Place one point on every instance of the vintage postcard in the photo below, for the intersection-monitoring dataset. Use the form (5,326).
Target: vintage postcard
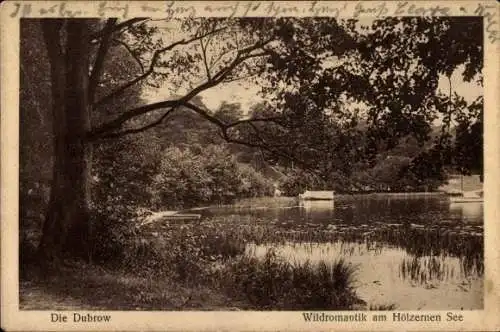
(250,165)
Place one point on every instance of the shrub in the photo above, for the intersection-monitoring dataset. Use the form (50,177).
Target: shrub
(273,283)
(113,231)
(122,176)
(189,177)
(253,183)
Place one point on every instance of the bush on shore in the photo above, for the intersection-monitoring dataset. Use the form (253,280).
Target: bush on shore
(187,178)
(273,283)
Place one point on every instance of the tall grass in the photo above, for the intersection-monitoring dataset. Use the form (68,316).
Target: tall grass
(189,246)
(274,283)
(212,252)
(428,268)
(462,241)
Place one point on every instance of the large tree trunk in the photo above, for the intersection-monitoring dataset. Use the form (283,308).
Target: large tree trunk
(66,228)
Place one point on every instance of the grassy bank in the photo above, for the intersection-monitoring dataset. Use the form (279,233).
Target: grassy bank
(244,283)
(91,287)
(205,266)
(191,266)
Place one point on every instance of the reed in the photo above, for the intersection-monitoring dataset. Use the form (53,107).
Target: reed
(223,238)
(274,283)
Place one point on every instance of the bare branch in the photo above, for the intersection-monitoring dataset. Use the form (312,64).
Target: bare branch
(154,60)
(257,134)
(204,56)
(236,39)
(117,123)
(241,56)
(139,129)
(120,90)
(214,61)
(227,137)
(101,55)
(267,148)
(217,79)
(203,113)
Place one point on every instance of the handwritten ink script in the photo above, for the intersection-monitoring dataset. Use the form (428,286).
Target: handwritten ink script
(172,9)
(381,9)
(490,20)
(106,9)
(61,10)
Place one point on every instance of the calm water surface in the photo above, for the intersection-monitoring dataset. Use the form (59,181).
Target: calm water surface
(359,209)
(415,251)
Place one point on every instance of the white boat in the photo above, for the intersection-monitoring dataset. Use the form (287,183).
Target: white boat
(169,216)
(317,195)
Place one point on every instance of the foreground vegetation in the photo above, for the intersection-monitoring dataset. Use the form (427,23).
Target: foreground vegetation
(243,283)
(205,260)
(206,266)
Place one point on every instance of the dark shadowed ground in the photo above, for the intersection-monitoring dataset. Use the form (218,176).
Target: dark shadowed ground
(89,287)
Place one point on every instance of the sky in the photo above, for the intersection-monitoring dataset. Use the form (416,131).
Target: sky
(469,90)
(245,94)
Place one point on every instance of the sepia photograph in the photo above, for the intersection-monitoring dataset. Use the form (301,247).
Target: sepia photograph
(251,164)
(324,165)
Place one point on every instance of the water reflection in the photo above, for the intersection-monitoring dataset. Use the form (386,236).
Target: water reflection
(390,264)
(358,209)
(472,211)
(417,251)
(391,275)
(317,210)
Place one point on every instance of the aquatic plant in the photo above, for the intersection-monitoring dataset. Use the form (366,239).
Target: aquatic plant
(221,238)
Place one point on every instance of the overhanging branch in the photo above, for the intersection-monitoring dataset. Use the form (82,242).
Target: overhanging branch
(115,124)
(137,130)
(154,61)
(241,56)
(224,127)
(204,56)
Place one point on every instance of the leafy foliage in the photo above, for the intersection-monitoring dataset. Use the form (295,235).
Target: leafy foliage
(361,100)
(188,177)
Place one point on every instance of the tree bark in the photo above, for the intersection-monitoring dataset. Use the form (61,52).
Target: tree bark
(66,228)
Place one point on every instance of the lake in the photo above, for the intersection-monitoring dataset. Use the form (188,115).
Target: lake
(416,251)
